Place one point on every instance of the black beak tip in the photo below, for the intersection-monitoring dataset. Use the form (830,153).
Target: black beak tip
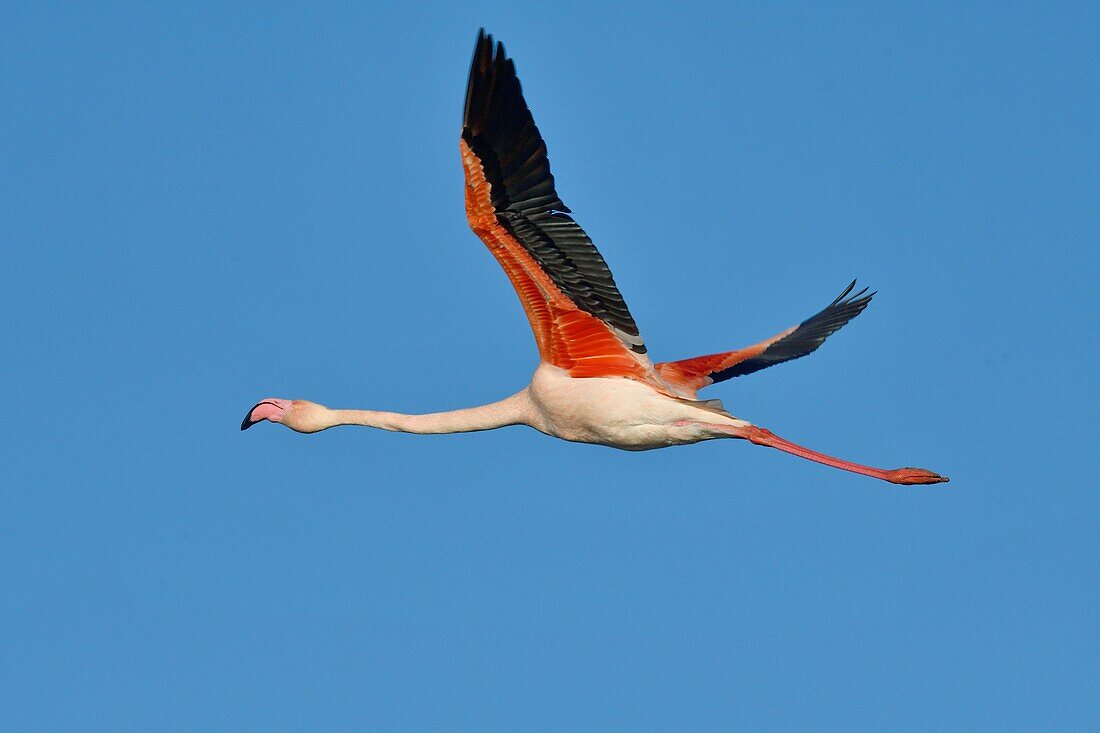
(248,421)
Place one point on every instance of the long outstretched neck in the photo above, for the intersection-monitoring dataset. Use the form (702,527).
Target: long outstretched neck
(763,436)
(510,411)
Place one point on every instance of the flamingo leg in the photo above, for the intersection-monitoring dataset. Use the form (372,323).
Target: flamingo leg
(765,437)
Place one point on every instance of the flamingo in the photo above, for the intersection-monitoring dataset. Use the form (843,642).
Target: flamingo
(595,382)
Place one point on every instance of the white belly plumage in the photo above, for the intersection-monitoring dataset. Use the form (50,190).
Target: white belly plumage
(617,412)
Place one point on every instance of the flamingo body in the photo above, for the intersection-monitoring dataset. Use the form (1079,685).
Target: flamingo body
(595,382)
(616,412)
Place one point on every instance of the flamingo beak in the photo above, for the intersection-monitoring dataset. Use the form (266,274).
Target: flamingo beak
(266,410)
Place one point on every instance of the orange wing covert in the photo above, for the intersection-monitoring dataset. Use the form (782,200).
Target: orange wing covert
(567,337)
(579,318)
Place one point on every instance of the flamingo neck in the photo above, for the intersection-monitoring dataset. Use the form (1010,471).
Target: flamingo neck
(513,410)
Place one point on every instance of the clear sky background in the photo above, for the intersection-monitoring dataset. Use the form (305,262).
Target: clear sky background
(201,206)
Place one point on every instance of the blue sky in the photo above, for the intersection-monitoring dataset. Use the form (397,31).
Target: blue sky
(201,206)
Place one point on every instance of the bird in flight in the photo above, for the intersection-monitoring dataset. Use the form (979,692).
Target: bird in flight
(595,382)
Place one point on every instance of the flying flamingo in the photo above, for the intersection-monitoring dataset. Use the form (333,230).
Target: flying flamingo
(595,383)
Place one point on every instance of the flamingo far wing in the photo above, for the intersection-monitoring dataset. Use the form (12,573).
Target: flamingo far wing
(806,337)
(580,320)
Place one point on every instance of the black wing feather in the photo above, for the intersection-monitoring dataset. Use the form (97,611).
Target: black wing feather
(809,335)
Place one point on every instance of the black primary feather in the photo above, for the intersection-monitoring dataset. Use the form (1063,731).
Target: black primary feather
(809,335)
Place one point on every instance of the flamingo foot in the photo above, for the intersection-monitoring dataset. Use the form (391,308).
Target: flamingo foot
(909,476)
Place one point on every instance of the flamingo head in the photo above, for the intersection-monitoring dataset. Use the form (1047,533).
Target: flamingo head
(299,415)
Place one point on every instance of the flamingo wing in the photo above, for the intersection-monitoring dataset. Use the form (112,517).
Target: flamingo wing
(580,320)
(806,337)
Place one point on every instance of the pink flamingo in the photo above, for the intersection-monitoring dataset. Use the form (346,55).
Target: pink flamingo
(595,383)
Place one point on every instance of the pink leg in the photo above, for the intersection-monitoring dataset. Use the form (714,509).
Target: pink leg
(763,436)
